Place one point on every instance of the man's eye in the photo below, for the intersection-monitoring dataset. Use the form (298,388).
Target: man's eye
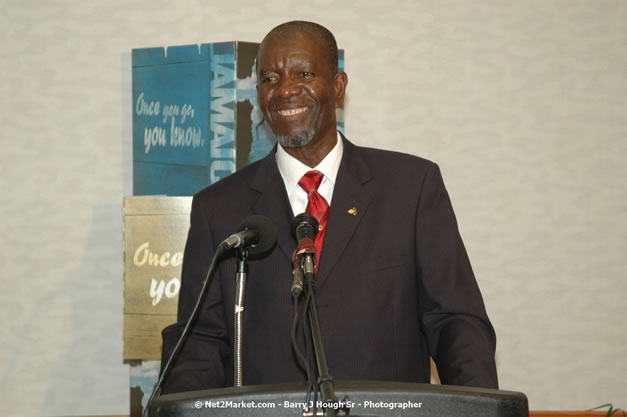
(306,74)
(268,79)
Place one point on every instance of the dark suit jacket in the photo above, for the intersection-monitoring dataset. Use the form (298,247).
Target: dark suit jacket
(394,284)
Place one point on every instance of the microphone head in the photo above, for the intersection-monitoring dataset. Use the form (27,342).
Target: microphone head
(304,225)
(263,228)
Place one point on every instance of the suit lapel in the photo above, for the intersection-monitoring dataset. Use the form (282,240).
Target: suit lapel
(351,196)
(273,202)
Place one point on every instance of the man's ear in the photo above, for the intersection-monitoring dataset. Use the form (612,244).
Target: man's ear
(340,82)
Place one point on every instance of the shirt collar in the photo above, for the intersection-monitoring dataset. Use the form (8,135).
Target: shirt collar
(292,169)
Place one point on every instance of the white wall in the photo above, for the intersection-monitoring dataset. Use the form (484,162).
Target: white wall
(522,103)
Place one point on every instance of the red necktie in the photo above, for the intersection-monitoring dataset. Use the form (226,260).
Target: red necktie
(317,206)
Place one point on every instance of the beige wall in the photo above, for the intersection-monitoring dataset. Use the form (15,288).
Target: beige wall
(522,103)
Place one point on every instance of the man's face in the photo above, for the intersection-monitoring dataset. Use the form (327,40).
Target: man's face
(298,92)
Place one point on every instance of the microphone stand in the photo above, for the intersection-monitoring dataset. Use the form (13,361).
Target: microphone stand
(238,332)
(325,381)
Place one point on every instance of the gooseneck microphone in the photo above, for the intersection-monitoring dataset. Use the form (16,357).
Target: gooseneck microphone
(304,227)
(257,233)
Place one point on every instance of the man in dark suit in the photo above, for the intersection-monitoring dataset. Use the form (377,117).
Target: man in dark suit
(394,283)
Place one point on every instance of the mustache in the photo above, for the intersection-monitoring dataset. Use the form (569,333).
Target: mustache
(288,104)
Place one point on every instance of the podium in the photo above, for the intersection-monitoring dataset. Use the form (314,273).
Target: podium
(364,398)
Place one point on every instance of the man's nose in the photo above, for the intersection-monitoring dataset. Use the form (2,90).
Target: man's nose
(288,87)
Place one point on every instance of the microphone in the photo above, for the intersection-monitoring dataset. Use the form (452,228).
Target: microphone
(304,228)
(255,232)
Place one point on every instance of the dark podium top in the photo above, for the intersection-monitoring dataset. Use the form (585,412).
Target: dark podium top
(364,398)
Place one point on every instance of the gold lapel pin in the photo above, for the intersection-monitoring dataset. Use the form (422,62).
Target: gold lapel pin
(352,211)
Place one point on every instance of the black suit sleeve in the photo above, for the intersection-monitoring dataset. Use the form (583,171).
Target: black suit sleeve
(460,337)
(200,363)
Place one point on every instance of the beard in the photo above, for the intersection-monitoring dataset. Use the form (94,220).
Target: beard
(297,139)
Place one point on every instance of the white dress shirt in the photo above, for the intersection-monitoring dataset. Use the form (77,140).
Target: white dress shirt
(292,170)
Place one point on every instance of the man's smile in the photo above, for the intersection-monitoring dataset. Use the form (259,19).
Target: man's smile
(292,112)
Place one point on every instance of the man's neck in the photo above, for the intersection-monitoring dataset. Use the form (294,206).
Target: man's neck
(292,170)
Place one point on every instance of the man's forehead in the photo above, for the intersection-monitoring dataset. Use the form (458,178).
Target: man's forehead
(294,37)
(293,32)
(295,47)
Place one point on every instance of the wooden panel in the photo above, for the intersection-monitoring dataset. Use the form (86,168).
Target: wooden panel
(141,206)
(155,230)
(142,335)
(153,256)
